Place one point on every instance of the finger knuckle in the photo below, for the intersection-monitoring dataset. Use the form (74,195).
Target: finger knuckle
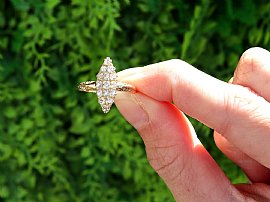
(176,63)
(240,102)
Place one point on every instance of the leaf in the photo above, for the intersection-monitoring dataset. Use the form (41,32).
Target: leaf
(4,192)
(50,4)
(22,5)
(5,151)
(85,152)
(20,157)
(27,124)
(10,112)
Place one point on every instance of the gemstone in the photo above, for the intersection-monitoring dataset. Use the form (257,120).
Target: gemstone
(100,76)
(110,101)
(105,109)
(103,68)
(106,77)
(113,84)
(113,76)
(106,93)
(106,84)
(107,61)
(98,84)
(99,93)
(111,69)
(101,101)
(112,92)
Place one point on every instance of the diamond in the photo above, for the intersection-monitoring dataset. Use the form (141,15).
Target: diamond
(112,92)
(106,93)
(100,76)
(106,76)
(110,101)
(106,84)
(113,76)
(103,68)
(98,84)
(111,69)
(99,92)
(113,85)
(107,61)
(101,101)
(105,109)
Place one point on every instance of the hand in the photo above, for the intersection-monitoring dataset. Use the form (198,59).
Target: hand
(239,112)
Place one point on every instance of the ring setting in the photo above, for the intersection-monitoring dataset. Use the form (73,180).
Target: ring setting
(106,86)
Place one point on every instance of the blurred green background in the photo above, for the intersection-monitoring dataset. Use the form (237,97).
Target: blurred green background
(56,145)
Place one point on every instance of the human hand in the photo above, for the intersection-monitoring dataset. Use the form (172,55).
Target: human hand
(239,112)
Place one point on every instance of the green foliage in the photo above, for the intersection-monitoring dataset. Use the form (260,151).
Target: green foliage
(55,143)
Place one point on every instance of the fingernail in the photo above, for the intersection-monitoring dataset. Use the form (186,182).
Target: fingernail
(131,108)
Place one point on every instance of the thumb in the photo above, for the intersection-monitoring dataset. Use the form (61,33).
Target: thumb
(174,151)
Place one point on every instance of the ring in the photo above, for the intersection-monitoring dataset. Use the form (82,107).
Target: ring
(106,86)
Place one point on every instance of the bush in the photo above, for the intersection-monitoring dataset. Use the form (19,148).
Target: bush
(55,143)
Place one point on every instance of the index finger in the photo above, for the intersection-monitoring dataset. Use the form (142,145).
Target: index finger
(229,109)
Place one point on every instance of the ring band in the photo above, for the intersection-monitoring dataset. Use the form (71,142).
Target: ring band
(90,87)
(106,86)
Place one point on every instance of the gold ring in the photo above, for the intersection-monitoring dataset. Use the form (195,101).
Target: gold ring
(106,86)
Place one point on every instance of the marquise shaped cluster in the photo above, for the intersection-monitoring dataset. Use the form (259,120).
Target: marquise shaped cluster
(106,85)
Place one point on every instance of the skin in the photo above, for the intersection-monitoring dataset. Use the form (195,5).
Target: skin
(238,111)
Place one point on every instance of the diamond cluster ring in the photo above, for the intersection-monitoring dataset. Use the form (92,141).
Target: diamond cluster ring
(106,86)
